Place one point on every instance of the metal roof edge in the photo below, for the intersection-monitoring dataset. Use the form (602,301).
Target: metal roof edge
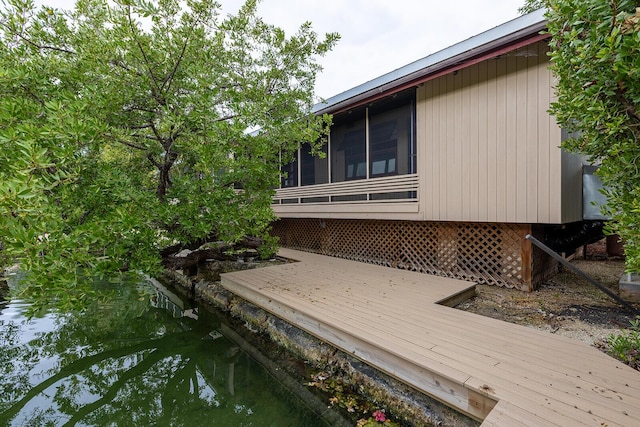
(519,27)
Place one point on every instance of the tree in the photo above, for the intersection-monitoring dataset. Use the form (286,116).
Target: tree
(595,56)
(531,6)
(125,129)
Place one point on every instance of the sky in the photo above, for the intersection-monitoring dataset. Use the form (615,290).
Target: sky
(377,36)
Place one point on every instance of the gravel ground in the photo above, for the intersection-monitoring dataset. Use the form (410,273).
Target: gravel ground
(566,305)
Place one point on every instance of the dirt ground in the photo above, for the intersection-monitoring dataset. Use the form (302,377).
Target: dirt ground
(566,305)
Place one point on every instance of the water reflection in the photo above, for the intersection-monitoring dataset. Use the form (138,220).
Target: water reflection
(139,355)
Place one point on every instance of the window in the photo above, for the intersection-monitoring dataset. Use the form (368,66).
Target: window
(355,154)
(348,147)
(313,170)
(391,136)
(370,141)
(289,174)
(384,148)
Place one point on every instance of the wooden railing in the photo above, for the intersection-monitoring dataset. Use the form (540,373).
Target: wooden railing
(397,188)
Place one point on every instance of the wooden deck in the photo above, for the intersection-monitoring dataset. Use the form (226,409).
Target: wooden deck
(496,372)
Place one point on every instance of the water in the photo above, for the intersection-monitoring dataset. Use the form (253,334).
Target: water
(138,356)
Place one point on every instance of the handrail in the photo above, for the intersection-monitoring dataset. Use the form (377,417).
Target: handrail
(576,270)
(348,188)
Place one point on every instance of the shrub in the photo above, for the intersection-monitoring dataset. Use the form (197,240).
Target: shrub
(626,345)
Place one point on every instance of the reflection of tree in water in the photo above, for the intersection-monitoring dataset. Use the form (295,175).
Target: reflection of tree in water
(122,361)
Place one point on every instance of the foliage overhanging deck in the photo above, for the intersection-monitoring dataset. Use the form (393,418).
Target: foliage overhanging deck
(395,320)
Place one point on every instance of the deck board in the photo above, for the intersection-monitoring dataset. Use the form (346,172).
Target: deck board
(494,371)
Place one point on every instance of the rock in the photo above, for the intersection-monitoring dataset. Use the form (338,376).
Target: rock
(213,245)
(183,253)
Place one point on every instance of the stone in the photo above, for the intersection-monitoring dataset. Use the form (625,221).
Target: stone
(629,287)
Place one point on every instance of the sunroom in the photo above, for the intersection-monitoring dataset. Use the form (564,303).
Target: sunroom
(369,160)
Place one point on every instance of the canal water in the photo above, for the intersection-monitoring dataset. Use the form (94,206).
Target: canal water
(140,355)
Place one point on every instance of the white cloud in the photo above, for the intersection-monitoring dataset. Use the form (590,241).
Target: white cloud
(378,36)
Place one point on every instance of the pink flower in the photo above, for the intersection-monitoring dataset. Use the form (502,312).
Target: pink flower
(379,416)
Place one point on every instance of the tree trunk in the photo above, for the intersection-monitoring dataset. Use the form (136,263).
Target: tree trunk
(164,175)
(216,251)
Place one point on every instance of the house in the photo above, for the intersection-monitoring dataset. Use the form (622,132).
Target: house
(443,166)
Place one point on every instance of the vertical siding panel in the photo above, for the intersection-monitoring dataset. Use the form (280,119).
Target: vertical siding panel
(443,145)
(434,149)
(511,140)
(423,110)
(492,140)
(544,137)
(532,138)
(483,183)
(556,164)
(455,172)
(473,153)
(445,102)
(521,140)
(502,141)
(439,146)
(452,174)
(438,141)
(466,142)
(488,147)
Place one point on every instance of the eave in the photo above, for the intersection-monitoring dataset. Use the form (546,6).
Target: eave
(512,35)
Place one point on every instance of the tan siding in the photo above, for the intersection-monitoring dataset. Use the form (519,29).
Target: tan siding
(500,189)
(430,197)
(532,137)
(545,127)
(521,161)
(511,164)
(471,142)
(455,203)
(483,139)
(435,152)
(492,159)
(491,148)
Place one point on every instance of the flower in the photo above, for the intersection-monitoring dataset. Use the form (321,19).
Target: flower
(379,416)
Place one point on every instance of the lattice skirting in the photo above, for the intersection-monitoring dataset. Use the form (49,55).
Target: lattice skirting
(489,253)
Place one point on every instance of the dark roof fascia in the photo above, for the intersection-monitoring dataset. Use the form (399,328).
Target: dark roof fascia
(499,39)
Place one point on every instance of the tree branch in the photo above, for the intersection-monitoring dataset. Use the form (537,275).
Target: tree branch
(169,78)
(159,137)
(155,89)
(150,138)
(127,143)
(630,108)
(229,117)
(33,95)
(216,251)
(140,127)
(36,45)
(144,110)
(122,65)
(153,162)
